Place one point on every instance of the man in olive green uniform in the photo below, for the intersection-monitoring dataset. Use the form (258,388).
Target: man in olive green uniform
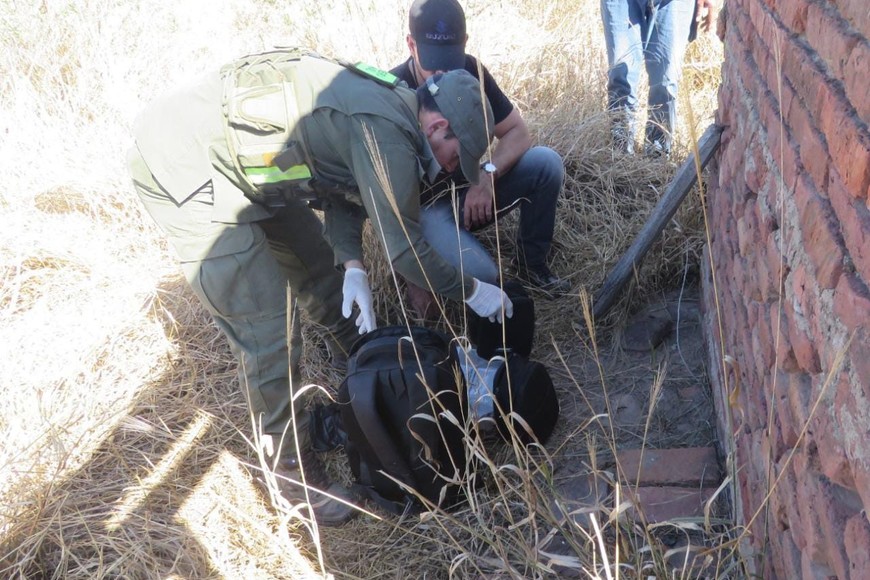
(227,166)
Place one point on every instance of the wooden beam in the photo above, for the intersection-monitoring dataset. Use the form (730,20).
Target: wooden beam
(678,188)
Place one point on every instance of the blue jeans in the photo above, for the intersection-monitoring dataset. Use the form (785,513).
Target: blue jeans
(654,34)
(533,184)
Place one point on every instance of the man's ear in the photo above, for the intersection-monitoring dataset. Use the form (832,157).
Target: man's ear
(412,45)
(436,123)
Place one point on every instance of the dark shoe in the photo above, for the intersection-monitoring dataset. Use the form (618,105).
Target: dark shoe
(331,502)
(543,279)
(656,150)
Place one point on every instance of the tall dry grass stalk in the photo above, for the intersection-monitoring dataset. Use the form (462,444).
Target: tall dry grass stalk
(124,427)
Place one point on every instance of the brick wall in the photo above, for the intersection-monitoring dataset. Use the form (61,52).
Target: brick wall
(786,293)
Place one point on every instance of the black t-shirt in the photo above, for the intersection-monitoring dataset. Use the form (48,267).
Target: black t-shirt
(501,105)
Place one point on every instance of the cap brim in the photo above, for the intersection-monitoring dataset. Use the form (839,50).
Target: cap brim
(470,165)
(441,57)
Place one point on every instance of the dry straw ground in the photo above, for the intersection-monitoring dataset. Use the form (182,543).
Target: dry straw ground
(124,432)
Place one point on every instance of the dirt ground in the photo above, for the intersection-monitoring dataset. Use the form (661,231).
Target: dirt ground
(659,351)
(650,376)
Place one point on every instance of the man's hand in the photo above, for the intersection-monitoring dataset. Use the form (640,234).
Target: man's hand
(356,289)
(489,301)
(706,13)
(478,210)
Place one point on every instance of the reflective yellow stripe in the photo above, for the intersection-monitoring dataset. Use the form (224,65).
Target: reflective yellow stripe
(264,175)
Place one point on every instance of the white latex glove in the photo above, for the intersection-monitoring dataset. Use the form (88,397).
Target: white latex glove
(356,289)
(487,300)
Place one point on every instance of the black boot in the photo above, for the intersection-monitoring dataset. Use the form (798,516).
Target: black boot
(329,500)
(542,278)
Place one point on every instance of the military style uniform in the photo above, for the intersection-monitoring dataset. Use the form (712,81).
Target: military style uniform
(199,165)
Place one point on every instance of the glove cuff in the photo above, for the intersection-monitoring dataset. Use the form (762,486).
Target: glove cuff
(475,292)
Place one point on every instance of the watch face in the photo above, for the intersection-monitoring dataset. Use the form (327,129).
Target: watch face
(488,167)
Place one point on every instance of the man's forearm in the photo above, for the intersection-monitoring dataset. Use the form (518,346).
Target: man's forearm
(510,147)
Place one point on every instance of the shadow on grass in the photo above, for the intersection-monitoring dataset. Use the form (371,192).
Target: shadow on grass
(166,493)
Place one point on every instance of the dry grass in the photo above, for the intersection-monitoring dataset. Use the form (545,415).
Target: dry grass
(124,428)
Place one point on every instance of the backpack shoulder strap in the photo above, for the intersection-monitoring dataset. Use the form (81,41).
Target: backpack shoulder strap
(361,390)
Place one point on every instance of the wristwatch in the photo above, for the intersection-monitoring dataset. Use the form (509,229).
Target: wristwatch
(489,167)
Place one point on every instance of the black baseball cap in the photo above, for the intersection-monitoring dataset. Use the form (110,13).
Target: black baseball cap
(438,28)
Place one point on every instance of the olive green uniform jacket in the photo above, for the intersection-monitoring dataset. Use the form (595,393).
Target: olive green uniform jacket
(358,133)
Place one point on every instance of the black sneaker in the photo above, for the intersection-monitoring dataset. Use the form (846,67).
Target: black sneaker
(542,278)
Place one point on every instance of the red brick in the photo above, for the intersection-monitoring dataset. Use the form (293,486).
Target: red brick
(857,541)
(862,480)
(801,71)
(782,149)
(789,481)
(758,17)
(854,222)
(807,498)
(859,359)
(785,354)
(836,505)
(814,155)
(766,278)
(855,80)
(756,402)
(660,504)
(799,389)
(745,238)
(828,34)
(771,192)
(691,466)
(852,303)
(833,460)
(856,13)
(776,268)
(801,340)
(819,234)
(788,557)
(777,437)
(793,15)
(813,148)
(848,143)
(815,569)
(789,427)
(762,329)
(751,489)
(741,26)
(754,166)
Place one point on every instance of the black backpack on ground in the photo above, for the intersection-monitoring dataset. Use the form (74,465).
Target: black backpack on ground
(400,425)
(519,330)
(521,386)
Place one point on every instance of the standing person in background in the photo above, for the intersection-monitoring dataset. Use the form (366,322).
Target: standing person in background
(227,166)
(521,175)
(653,34)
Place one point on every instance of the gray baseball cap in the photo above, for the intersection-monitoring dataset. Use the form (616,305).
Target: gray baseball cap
(458,95)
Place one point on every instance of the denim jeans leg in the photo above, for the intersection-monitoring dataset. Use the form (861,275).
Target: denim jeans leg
(669,38)
(623,22)
(454,243)
(534,183)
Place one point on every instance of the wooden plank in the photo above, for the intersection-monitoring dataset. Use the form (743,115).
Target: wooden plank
(680,186)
